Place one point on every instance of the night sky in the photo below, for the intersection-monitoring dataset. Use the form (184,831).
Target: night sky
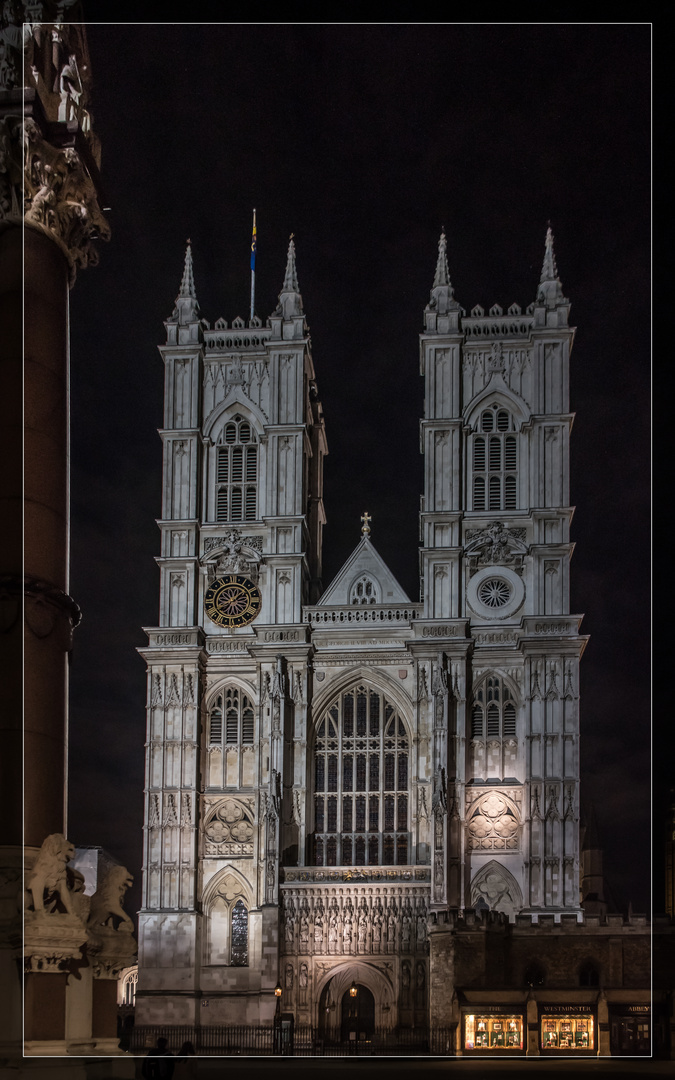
(364,141)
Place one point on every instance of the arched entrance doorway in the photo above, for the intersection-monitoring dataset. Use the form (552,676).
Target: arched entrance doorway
(358,1015)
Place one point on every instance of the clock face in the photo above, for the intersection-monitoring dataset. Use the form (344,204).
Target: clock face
(232,601)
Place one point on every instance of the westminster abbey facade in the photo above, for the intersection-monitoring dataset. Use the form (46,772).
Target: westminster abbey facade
(329,771)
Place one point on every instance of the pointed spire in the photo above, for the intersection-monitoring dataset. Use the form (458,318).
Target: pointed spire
(550,287)
(442,276)
(290,300)
(187,285)
(291,277)
(186,309)
(441,302)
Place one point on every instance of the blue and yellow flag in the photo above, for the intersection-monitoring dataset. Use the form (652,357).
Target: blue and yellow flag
(253,243)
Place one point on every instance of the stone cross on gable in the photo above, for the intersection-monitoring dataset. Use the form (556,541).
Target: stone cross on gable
(366,519)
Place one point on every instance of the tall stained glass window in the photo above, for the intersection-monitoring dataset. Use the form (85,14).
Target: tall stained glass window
(361,776)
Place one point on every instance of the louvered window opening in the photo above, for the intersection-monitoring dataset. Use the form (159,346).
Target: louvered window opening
(239,719)
(495,462)
(361,782)
(494,710)
(237,473)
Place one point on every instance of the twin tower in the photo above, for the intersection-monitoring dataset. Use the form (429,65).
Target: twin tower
(327,768)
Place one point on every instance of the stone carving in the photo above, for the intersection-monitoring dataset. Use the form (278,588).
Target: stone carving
(405,983)
(237,556)
(229,830)
(47,882)
(421,924)
(318,926)
(392,923)
(347,926)
(106,903)
(60,198)
(153,811)
(552,693)
(303,976)
(289,976)
(535,677)
(170,817)
(304,924)
(156,691)
(173,697)
(493,890)
(422,690)
(493,821)
(378,919)
(406,926)
(422,808)
(297,689)
(495,545)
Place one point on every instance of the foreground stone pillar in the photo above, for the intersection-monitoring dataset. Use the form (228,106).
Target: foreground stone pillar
(50,219)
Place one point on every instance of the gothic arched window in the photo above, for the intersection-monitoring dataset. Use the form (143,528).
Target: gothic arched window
(239,935)
(494,710)
(239,719)
(364,591)
(361,780)
(226,925)
(237,472)
(495,461)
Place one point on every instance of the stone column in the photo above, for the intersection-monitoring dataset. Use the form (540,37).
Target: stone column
(50,218)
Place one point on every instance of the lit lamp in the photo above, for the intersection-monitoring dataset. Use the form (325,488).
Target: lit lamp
(277,993)
(353,990)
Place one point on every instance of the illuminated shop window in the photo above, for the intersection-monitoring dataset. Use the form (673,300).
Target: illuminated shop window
(491,1032)
(567,1033)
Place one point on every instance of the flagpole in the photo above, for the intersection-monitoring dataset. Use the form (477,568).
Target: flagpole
(253,252)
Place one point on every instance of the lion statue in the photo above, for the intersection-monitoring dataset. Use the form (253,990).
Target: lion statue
(48,880)
(106,903)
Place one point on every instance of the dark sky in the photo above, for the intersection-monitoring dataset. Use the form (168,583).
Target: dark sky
(364,141)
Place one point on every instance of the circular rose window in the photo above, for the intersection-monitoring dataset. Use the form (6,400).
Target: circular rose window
(494,593)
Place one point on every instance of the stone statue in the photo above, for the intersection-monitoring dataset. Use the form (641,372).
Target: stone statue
(106,903)
(406,927)
(304,923)
(377,925)
(347,926)
(391,923)
(48,881)
(303,976)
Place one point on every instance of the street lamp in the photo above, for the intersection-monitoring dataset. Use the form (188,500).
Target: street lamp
(277,1018)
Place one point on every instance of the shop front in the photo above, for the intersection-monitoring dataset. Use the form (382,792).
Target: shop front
(569,1029)
(497,1028)
(630,1029)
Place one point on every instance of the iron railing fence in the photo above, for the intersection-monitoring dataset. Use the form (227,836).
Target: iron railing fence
(256,1041)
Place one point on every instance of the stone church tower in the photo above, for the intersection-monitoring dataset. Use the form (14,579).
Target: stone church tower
(325,769)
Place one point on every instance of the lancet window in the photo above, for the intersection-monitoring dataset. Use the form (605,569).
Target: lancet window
(226,937)
(495,461)
(237,472)
(361,783)
(231,716)
(364,591)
